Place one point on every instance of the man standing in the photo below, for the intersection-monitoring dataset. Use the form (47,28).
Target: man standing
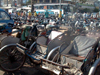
(46,14)
(35,14)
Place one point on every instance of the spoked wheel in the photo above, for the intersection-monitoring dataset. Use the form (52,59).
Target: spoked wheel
(11,59)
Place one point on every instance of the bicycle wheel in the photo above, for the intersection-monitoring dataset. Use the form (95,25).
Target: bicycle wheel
(11,59)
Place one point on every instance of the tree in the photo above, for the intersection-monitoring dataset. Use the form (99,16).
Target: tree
(74,0)
(83,1)
(29,2)
(96,10)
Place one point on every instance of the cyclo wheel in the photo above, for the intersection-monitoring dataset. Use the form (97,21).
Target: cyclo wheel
(11,59)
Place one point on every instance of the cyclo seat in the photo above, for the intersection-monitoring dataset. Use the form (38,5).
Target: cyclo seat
(78,51)
(80,47)
(42,40)
(46,45)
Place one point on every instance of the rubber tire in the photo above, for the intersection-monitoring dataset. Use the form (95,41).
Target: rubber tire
(11,64)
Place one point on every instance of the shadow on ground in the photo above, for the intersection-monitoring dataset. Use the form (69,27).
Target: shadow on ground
(27,69)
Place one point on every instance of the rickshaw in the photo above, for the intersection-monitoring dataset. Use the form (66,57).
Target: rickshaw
(81,57)
(61,56)
(12,56)
(4,38)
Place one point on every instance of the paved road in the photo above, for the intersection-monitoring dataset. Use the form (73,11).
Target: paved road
(25,70)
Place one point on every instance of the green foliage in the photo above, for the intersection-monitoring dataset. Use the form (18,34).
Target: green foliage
(83,1)
(85,10)
(96,10)
(85,4)
(28,3)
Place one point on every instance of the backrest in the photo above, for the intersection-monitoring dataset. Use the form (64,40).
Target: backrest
(82,48)
(82,45)
(44,41)
(54,34)
(58,41)
(41,40)
(9,40)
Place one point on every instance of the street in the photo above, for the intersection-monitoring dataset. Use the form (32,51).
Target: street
(25,70)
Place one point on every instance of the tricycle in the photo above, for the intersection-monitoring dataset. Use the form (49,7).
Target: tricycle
(12,56)
(59,54)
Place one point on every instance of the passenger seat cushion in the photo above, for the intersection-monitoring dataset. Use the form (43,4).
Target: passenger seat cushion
(82,45)
(54,34)
(41,40)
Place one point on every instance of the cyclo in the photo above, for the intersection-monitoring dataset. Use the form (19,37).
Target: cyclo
(12,56)
(60,56)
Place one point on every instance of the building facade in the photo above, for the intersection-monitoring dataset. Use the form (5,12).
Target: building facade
(90,2)
(64,1)
(10,2)
(47,1)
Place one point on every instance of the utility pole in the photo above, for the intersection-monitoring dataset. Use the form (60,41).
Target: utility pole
(7,3)
(60,12)
(21,3)
(32,6)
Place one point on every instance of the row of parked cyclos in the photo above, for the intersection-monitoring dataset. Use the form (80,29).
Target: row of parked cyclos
(86,24)
(76,51)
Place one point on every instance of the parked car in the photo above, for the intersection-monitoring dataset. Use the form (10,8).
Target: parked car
(5,27)
(6,22)
(5,18)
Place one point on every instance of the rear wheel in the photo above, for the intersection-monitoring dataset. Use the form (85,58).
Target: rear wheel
(11,59)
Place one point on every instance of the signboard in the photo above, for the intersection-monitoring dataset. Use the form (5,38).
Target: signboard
(45,7)
(15,3)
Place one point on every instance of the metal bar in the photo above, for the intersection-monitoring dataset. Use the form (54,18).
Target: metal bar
(45,60)
(60,9)
(7,2)
(59,4)
(21,2)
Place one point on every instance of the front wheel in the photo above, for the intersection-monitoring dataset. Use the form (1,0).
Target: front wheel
(11,59)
